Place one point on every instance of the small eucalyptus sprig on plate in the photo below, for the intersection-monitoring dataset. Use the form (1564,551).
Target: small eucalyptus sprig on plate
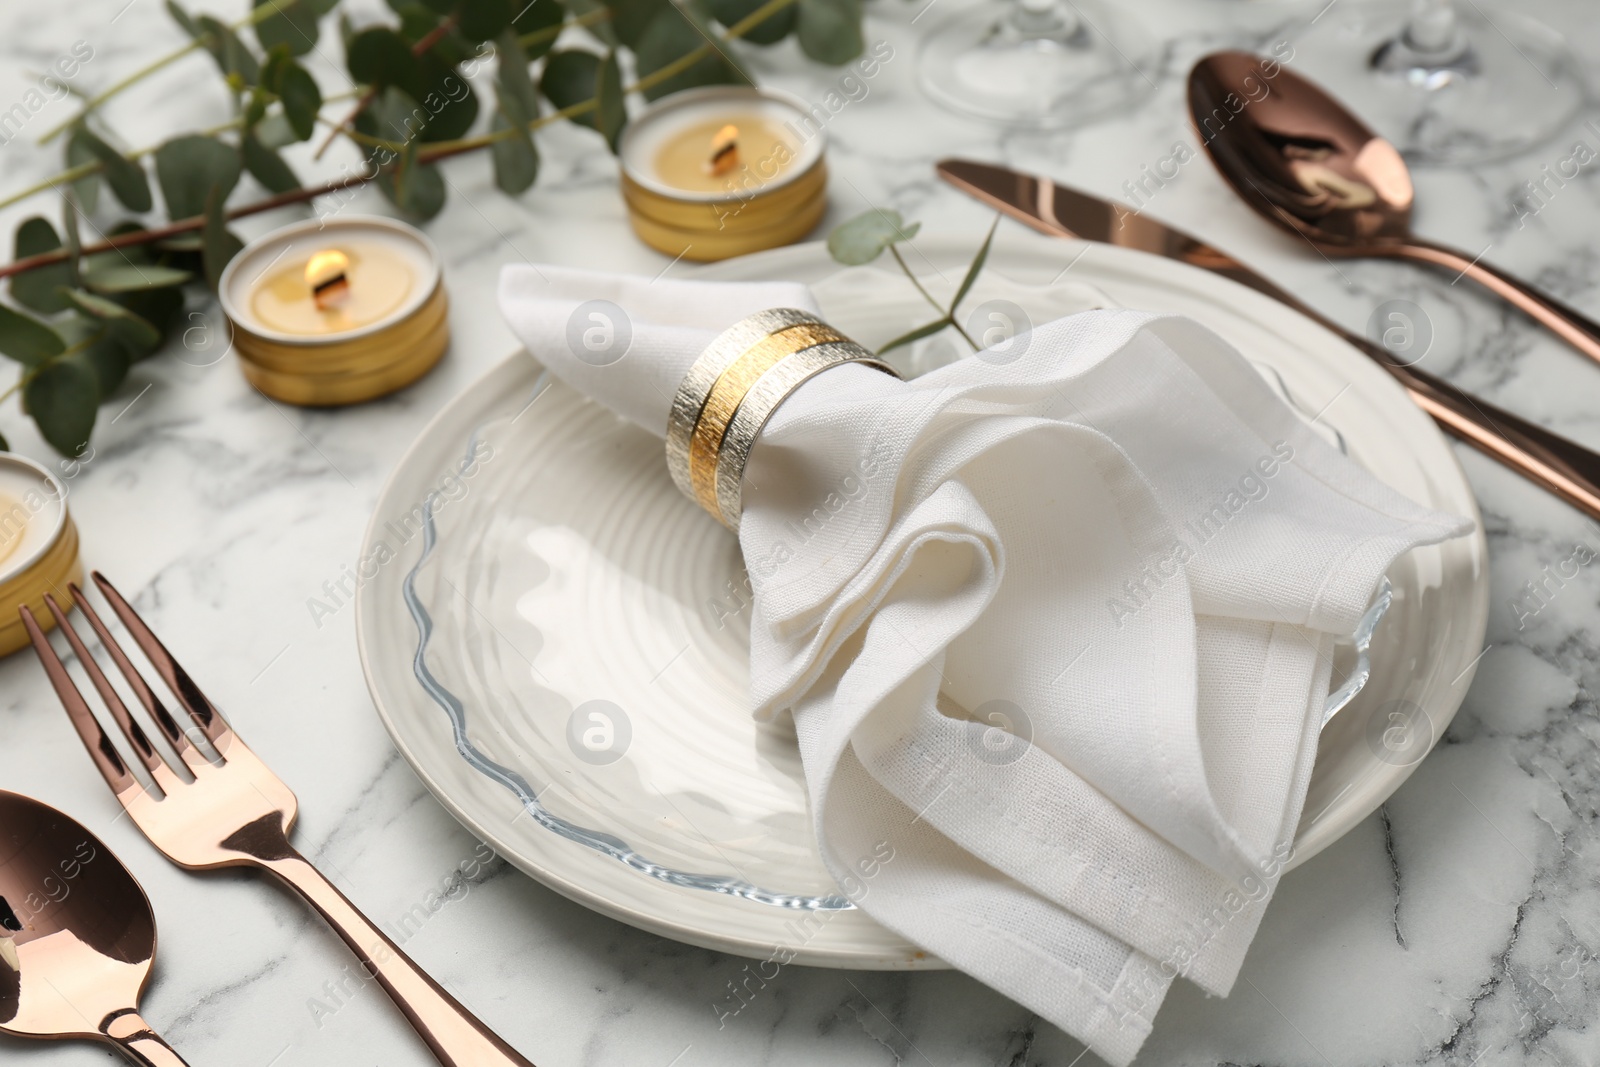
(84,312)
(867,236)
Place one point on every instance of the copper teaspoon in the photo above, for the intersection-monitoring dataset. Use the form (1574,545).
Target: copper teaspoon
(1296,156)
(77,937)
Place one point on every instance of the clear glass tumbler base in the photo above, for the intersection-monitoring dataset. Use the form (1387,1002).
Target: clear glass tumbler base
(1036,63)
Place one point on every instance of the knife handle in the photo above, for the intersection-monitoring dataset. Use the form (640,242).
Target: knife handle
(1564,467)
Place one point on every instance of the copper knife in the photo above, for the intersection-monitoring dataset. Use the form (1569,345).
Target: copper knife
(1564,467)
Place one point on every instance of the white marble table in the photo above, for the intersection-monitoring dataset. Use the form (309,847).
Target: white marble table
(1461,924)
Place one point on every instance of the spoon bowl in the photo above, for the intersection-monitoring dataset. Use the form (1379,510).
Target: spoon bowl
(77,935)
(1282,139)
(1299,158)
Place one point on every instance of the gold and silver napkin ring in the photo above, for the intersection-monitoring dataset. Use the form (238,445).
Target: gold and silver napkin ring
(734,387)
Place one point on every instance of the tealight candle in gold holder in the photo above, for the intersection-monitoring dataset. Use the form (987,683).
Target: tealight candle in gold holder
(38,547)
(721,171)
(336,312)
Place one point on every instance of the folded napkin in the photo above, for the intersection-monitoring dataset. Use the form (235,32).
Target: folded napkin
(1054,623)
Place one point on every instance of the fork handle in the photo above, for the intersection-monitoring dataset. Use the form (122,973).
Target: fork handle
(456,1036)
(132,1036)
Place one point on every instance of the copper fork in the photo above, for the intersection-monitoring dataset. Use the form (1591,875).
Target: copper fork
(234,812)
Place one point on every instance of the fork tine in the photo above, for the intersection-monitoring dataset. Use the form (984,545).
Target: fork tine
(141,688)
(205,714)
(142,747)
(106,758)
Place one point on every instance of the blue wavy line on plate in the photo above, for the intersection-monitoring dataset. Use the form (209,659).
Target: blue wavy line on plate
(601,842)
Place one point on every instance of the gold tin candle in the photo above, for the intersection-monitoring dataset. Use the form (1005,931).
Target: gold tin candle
(38,547)
(721,171)
(336,312)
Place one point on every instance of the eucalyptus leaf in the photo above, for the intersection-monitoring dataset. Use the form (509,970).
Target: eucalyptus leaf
(293,24)
(234,58)
(416,189)
(159,307)
(70,235)
(516,160)
(183,19)
(573,77)
(381,57)
(190,169)
(5,446)
(418,23)
(63,397)
(110,359)
(266,166)
(631,18)
(272,67)
(446,97)
(132,277)
(302,99)
(482,20)
(538,17)
(26,339)
(137,255)
(770,30)
(830,30)
(126,178)
(87,188)
(863,238)
(217,243)
(181,242)
(255,107)
(975,268)
(40,288)
(125,326)
(669,37)
(519,100)
(926,330)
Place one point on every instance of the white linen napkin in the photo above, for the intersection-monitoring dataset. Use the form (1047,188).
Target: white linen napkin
(1054,624)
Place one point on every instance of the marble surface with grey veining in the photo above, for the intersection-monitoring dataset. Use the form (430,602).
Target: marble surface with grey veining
(1458,925)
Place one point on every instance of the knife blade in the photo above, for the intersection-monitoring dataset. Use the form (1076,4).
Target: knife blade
(1565,468)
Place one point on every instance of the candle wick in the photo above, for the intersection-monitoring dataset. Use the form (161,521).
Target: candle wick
(327,273)
(724,151)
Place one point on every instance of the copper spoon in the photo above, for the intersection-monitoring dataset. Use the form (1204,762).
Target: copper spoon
(1296,156)
(77,936)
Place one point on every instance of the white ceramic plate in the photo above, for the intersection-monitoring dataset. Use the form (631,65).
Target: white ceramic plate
(558,643)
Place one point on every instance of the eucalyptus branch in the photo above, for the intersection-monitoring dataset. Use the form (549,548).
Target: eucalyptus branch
(432,153)
(256,15)
(423,44)
(83,170)
(192,225)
